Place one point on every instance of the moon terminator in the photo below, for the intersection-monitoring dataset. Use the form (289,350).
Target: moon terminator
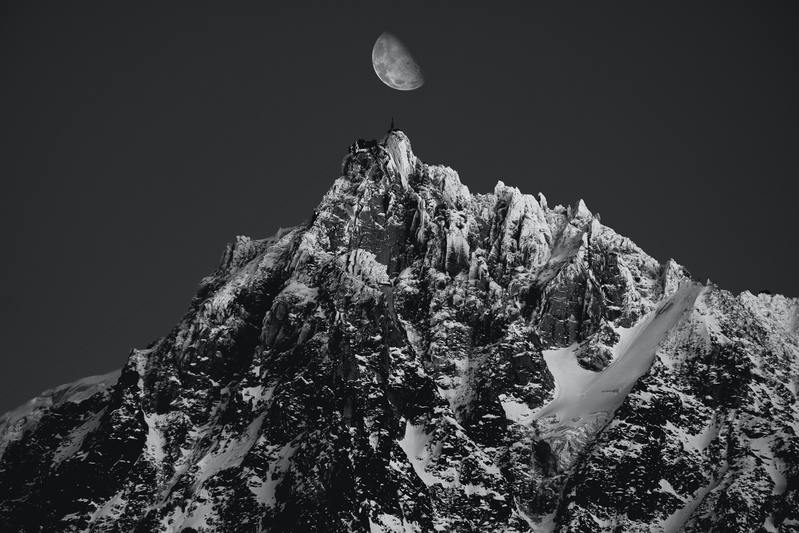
(394,64)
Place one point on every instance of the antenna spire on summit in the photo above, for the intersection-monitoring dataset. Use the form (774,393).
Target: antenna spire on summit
(392,127)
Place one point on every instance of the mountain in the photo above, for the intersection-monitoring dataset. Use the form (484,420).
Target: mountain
(421,358)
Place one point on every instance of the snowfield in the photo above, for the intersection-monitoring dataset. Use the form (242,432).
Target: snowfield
(582,395)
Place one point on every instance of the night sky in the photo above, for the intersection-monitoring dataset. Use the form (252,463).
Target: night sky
(137,140)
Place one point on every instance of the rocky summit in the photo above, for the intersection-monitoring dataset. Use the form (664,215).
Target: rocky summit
(421,358)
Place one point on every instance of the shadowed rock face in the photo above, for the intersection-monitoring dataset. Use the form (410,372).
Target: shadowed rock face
(386,367)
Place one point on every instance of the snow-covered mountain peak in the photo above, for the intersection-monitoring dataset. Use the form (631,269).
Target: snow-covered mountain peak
(420,358)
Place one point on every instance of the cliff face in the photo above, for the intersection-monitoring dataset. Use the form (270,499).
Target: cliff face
(421,358)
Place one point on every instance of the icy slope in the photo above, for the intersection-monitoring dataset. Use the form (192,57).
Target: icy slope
(581,394)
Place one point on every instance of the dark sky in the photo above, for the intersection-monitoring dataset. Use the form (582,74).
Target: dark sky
(137,140)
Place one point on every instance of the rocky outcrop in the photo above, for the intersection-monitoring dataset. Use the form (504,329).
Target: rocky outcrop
(421,358)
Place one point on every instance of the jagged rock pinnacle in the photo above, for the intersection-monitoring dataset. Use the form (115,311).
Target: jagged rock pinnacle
(403,160)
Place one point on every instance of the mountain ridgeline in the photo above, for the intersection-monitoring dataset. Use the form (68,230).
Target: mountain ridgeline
(421,358)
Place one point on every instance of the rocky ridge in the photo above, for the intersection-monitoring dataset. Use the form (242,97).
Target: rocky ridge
(421,358)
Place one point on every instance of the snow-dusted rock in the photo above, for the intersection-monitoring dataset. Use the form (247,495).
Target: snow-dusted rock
(421,358)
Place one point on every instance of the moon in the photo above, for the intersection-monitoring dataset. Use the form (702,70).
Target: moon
(394,64)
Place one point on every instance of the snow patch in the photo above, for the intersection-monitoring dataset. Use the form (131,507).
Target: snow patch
(110,510)
(301,292)
(516,411)
(74,441)
(258,393)
(415,444)
(387,523)
(773,465)
(154,444)
(228,453)
(665,486)
(581,395)
(280,462)
(15,423)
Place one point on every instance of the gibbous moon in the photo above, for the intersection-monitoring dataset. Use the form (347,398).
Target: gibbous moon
(394,64)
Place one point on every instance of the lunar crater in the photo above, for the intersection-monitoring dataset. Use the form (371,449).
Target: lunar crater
(394,64)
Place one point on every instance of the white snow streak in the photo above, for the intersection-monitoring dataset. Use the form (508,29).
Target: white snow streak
(415,445)
(583,395)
